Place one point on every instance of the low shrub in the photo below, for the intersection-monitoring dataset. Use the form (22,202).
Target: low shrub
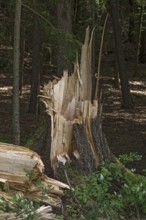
(113,192)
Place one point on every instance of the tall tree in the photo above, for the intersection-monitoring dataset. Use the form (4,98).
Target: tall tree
(142,54)
(16,122)
(36,62)
(114,12)
(64,24)
(131,22)
(22,52)
(139,34)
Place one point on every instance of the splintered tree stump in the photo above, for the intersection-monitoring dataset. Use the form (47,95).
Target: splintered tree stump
(75,119)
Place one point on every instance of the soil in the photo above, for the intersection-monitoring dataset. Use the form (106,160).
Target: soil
(125,129)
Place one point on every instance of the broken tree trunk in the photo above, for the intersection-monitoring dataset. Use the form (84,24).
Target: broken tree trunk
(76,123)
(22,172)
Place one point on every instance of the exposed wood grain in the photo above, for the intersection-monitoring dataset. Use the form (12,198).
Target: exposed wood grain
(21,170)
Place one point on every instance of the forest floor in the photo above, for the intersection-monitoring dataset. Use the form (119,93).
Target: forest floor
(125,129)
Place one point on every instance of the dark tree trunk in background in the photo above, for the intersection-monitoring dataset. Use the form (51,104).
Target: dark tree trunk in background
(113,9)
(22,49)
(138,42)
(142,55)
(42,141)
(16,67)
(117,79)
(91,13)
(64,23)
(36,64)
(131,35)
(93,64)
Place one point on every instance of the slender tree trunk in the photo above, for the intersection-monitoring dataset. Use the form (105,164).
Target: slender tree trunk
(93,15)
(116,80)
(42,141)
(138,45)
(131,22)
(100,55)
(142,55)
(36,65)
(22,49)
(64,23)
(16,122)
(114,8)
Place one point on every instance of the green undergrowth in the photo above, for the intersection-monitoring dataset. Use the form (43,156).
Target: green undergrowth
(6,139)
(22,207)
(29,142)
(113,192)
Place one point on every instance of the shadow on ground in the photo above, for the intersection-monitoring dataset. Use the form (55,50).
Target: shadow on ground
(125,129)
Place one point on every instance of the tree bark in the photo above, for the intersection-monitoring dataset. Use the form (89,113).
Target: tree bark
(16,122)
(64,23)
(131,35)
(142,55)
(22,51)
(138,44)
(42,141)
(36,65)
(126,97)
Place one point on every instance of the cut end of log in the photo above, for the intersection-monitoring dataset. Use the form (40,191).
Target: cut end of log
(20,171)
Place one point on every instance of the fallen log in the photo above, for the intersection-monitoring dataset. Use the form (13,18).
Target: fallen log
(22,171)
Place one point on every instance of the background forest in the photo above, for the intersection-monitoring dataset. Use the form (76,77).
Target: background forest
(51,35)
